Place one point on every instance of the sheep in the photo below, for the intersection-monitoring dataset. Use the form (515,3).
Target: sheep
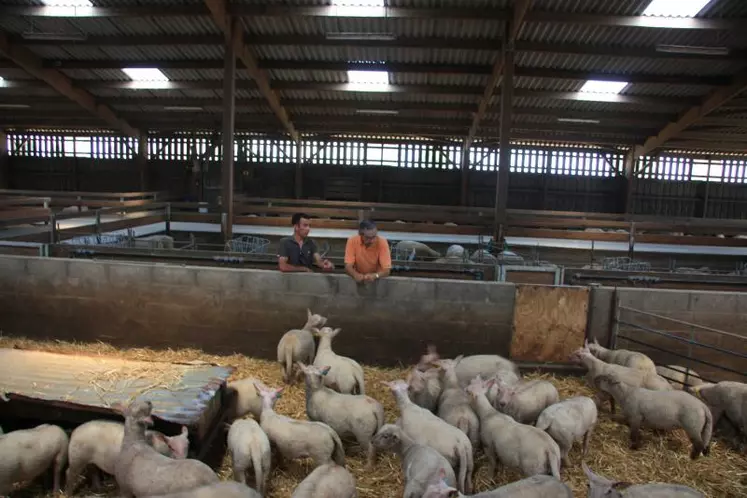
(524,402)
(680,377)
(568,421)
(484,257)
(426,428)
(469,367)
(98,442)
(298,438)
(327,481)
(539,486)
(516,445)
(601,487)
(726,398)
(424,388)
(453,404)
(226,489)
(348,414)
(249,448)
(242,399)
(632,376)
(154,242)
(630,359)
(455,251)
(141,470)
(346,375)
(662,410)
(298,345)
(421,250)
(27,453)
(421,464)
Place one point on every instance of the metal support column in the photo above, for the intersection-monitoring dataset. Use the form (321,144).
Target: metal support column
(4,161)
(629,181)
(229,114)
(298,187)
(141,159)
(507,92)
(465,173)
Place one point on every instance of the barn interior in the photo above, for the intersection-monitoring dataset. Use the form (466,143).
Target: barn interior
(589,160)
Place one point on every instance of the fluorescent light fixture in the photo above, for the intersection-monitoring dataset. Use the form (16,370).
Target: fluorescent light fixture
(372,79)
(379,112)
(578,120)
(358,3)
(68,3)
(144,74)
(14,106)
(361,36)
(690,49)
(182,108)
(675,8)
(601,86)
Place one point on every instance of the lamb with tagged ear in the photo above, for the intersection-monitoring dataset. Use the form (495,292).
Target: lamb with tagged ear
(539,486)
(525,401)
(355,415)
(345,375)
(601,487)
(298,345)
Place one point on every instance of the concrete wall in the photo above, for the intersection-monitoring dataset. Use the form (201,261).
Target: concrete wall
(724,311)
(247,311)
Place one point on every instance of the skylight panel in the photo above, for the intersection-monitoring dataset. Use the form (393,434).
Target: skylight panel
(675,8)
(599,86)
(145,74)
(358,8)
(68,3)
(358,3)
(368,81)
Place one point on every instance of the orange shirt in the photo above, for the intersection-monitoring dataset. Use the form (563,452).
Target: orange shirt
(370,259)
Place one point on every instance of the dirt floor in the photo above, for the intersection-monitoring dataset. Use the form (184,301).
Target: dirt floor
(664,458)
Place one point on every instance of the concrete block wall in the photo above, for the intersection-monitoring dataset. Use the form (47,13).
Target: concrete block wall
(724,311)
(247,311)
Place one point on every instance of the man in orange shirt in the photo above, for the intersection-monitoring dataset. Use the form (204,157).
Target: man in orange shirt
(367,256)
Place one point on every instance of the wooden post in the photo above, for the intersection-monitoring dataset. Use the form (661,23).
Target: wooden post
(628,188)
(507,91)
(298,187)
(141,159)
(4,161)
(465,173)
(707,188)
(229,113)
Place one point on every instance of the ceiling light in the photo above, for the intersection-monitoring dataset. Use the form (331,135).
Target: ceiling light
(358,3)
(145,74)
(601,86)
(361,36)
(675,8)
(14,106)
(690,49)
(387,112)
(578,120)
(182,108)
(368,81)
(68,3)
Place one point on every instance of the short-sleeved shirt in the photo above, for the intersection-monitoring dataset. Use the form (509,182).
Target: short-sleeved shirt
(298,255)
(371,259)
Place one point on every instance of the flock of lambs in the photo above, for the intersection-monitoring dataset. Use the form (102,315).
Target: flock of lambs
(448,409)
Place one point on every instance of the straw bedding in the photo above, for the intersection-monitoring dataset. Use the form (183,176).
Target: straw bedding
(664,458)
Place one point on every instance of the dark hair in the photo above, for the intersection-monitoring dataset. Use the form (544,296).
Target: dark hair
(296,218)
(366,225)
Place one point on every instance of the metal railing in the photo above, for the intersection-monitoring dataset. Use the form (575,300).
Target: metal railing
(721,363)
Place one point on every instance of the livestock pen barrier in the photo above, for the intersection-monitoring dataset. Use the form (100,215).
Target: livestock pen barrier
(714,354)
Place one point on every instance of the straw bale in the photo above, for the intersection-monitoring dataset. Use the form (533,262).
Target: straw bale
(664,457)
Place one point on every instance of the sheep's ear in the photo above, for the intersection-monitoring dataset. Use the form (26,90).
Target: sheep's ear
(185,430)
(308,313)
(325,370)
(119,408)
(458,359)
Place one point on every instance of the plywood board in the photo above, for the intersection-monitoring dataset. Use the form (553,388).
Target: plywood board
(549,322)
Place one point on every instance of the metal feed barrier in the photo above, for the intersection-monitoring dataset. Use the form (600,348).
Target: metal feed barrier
(625,264)
(248,244)
(104,239)
(686,344)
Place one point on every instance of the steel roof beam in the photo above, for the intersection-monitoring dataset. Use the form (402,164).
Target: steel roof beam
(30,63)
(712,102)
(222,18)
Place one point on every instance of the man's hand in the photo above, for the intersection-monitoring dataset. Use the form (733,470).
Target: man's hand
(327,265)
(359,277)
(370,277)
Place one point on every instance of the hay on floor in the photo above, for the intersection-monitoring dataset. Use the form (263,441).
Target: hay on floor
(663,458)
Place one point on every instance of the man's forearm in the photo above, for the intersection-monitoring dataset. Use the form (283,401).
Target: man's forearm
(286,268)
(385,272)
(350,270)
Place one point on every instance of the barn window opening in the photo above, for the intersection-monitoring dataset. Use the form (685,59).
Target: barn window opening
(675,8)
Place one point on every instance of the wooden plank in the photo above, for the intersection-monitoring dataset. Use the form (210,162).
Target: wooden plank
(549,322)
(530,277)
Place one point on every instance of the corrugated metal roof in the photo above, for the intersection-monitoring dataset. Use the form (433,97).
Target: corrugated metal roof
(102,381)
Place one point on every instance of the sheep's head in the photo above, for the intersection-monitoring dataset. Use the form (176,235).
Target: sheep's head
(427,360)
(601,487)
(388,437)
(313,320)
(441,489)
(478,387)
(269,395)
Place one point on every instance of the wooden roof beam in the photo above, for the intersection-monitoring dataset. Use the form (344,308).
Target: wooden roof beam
(712,102)
(219,9)
(520,9)
(32,64)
